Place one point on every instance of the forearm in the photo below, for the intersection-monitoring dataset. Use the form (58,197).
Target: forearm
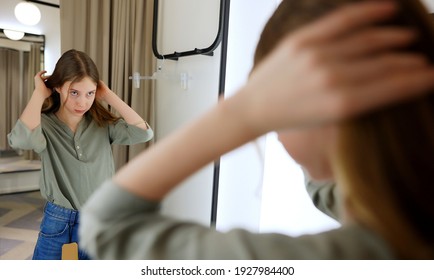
(127,113)
(185,151)
(31,115)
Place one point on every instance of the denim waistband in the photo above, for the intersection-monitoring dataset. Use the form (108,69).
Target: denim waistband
(61,212)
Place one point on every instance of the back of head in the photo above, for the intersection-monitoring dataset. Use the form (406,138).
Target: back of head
(384,157)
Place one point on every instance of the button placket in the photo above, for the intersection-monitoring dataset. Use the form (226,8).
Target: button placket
(78,150)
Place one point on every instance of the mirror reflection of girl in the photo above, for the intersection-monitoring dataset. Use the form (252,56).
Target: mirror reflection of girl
(67,125)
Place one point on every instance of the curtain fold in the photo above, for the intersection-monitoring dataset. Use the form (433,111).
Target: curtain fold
(33,63)
(117,35)
(17,69)
(10,92)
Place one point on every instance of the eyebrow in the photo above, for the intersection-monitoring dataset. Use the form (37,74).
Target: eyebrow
(73,89)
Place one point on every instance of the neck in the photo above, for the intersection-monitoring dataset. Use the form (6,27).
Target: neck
(71,121)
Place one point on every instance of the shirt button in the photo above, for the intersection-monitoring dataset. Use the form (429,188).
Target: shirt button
(78,147)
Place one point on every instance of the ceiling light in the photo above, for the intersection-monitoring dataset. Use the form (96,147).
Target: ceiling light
(27,13)
(13,35)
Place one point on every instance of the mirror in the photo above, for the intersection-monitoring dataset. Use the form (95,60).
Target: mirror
(19,60)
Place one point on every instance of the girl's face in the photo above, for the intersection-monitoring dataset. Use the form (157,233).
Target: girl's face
(311,148)
(77,98)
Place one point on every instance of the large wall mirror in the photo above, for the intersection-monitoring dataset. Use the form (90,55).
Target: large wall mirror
(19,60)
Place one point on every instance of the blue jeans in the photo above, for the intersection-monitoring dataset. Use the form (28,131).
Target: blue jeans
(59,226)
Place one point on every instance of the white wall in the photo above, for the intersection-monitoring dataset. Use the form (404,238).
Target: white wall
(261,188)
(241,174)
(183,26)
(241,171)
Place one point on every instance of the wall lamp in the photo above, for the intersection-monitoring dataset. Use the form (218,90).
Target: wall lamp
(14,35)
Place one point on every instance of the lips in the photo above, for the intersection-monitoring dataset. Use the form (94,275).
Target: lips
(80,111)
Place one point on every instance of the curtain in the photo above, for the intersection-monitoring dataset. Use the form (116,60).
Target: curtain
(117,35)
(33,63)
(17,69)
(10,92)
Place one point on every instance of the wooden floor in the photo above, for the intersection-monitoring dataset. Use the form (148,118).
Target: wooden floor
(20,217)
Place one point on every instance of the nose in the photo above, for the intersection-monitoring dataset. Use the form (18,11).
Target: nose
(80,101)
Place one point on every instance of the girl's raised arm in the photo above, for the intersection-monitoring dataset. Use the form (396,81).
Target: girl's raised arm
(31,115)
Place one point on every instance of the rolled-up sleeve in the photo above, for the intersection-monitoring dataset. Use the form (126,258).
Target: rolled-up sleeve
(127,134)
(21,137)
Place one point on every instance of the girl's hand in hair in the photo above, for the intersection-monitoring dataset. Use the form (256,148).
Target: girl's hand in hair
(40,86)
(103,91)
(337,67)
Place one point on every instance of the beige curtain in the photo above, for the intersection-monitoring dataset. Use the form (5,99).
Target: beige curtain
(117,35)
(33,63)
(10,92)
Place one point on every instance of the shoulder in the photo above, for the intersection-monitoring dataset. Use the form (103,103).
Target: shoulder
(49,118)
(349,242)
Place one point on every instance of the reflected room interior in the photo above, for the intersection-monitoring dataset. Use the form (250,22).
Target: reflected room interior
(21,57)
(19,60)
(20,201)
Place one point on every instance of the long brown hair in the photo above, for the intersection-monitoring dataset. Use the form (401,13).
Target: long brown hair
(384,158)
(73,66)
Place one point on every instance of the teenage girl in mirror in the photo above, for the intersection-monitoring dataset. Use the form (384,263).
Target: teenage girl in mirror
(66,123)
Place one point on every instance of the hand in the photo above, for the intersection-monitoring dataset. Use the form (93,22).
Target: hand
(40,86)
(102,91)
(335,68)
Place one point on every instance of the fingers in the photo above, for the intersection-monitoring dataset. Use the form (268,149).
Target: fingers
(370,41)
(374,67)
(41,75)
(365,85)
(386,91)
(102,85)
(346,19)
(334,69)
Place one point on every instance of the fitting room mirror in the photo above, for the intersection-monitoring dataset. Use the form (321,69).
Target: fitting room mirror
(19,60)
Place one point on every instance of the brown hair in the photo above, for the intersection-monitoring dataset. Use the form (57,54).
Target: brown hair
(73,66)
(385,158)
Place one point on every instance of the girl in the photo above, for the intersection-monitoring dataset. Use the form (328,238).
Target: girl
(67,125)
(310,74)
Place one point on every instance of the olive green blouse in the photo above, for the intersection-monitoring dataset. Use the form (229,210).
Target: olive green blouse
(74,164)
